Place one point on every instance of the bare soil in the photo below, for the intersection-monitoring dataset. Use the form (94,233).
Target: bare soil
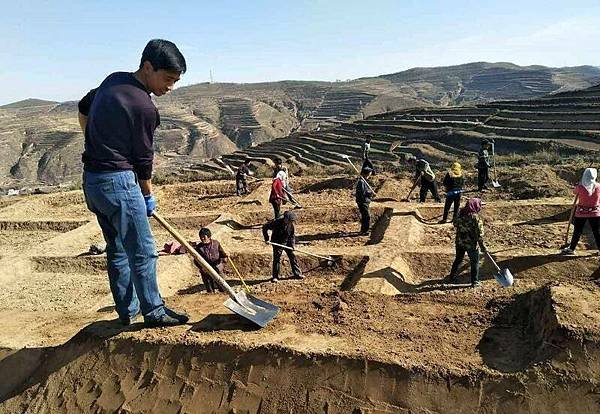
(379,330)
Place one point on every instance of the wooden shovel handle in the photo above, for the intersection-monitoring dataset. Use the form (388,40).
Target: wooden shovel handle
(197,257)
(571,217)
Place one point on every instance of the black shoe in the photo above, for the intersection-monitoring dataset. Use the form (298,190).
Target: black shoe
(129,319)
(301,276)
(180,316)
(162,320)
(274,279)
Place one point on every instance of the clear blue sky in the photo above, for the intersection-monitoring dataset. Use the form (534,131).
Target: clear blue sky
(59,49)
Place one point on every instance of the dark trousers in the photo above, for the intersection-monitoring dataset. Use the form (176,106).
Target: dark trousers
(277,252)
(473,259)
(454,199)
(276,208)
(483,176)
(365,217)
(427,186)
(241,186)
(578,224)
(209,283)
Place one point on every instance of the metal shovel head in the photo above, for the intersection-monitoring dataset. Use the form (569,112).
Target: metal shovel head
(496,184)
(251,308)
(504,277)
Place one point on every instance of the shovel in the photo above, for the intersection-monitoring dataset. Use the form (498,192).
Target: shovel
(503,276)
(570,220)
(330,260)
(245,305)
(495,182)
(347,158)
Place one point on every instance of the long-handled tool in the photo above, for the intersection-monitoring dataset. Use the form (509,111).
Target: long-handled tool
(292,199)
(330,260)
(503,276)
(495,182)
(570,220)
(347,158)
(239,275)
(247,306)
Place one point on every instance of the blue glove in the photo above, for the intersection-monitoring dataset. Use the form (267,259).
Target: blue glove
(150,204)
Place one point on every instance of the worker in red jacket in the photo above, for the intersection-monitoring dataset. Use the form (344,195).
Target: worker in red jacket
(277,196)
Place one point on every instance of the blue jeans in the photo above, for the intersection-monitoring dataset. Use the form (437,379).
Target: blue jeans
(473,258)
(117,201)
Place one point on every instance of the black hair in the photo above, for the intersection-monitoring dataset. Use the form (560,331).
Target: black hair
(277,160)
(205,231)
(247,161)
(163,54)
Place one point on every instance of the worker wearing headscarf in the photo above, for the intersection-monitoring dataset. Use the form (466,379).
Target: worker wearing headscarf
(469,239)
(453,183)
(587,209)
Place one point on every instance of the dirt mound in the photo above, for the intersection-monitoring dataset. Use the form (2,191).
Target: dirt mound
(534,181)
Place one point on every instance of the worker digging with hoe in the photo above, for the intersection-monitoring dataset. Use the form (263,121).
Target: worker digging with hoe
(283,232)
(469,238)
(586,210)
(453,183)
(242,173)
(424,175)
(277,196)
(282,171)
(364,196)
(215,256)
(119,119)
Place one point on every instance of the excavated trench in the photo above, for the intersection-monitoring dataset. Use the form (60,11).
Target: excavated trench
(103,369)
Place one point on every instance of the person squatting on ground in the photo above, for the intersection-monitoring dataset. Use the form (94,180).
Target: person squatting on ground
(277,196)
(469,238)
(243,171)
(453,183)
(587,209)
(215,256)
(283,232)
(483,165)
(365,154)
(118,119)
(364,195)
(426,177)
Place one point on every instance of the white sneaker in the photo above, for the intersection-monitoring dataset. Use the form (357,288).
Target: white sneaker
(567,251)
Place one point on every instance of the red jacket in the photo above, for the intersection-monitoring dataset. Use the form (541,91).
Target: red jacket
(277,194)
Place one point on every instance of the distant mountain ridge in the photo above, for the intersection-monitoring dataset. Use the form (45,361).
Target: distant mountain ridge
(40,141)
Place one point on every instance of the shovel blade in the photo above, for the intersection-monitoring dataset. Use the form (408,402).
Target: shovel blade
(251,308)
(496,184)
(505,278)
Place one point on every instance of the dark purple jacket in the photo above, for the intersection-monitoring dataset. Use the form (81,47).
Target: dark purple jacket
(120,127)
(213,253)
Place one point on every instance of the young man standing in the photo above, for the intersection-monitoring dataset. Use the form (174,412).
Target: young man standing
(118,119)
(364,195)
(483,165)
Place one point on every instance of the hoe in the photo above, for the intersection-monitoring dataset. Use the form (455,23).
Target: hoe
(245,305)
(330,260)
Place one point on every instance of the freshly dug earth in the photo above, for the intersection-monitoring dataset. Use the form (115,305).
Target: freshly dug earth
(433,346)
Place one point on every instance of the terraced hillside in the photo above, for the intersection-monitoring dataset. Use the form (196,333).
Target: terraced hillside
(561,125)
(40,141)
